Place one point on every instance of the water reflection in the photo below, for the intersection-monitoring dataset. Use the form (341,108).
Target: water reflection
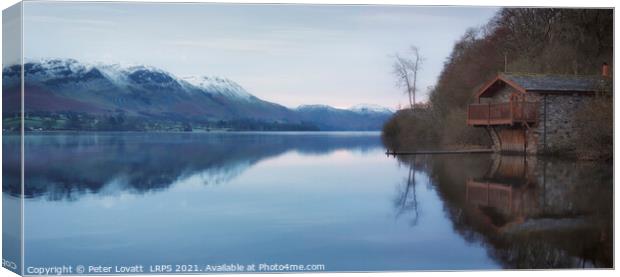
(528,212)
(233,198)
(302,198)
(66,166)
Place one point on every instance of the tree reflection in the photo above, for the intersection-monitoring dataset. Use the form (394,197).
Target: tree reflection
(406,200)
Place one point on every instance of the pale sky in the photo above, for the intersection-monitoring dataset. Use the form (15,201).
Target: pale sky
(288,54)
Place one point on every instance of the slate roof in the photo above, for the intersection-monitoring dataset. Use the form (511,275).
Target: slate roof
(556,83)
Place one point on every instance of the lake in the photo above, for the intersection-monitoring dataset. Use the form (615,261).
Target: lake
(331,199)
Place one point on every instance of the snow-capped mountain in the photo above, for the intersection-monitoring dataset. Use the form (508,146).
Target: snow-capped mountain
(68,85)
(62,85)
(56,71)
(370,108)
(71,72)
(360,108)
(360,117)
(316,107)
(222,86)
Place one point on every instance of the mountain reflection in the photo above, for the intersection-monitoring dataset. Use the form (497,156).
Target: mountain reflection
(527,212)
(64,166)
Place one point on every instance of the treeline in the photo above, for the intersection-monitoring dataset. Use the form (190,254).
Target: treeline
(73,121)
(533,40)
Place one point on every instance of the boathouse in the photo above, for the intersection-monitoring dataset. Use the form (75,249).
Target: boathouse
(533,113)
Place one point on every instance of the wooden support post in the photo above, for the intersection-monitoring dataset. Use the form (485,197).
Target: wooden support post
(468,114)
(512,117)
(489,114)
(523,107)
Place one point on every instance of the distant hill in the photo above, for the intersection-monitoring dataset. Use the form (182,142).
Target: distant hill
(360,117)
(97,91)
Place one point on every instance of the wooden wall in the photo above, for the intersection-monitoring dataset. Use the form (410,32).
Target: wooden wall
(512,140)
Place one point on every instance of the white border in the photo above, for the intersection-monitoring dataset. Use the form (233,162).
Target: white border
(504,3)
(513,3)
(21,144)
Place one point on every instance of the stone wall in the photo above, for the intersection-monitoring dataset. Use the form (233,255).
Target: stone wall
(556,128)
(557,123)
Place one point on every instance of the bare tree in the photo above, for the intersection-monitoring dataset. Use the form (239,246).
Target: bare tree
(406,71)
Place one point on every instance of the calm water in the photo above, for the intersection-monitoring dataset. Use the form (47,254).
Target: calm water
(302,198)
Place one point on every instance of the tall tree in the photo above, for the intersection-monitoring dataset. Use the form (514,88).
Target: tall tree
(405,69)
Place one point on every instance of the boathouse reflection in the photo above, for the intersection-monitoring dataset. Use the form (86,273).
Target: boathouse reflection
(542,213)
(505,195)
(528,212)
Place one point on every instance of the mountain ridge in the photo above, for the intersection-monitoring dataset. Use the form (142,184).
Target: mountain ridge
(67,85)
